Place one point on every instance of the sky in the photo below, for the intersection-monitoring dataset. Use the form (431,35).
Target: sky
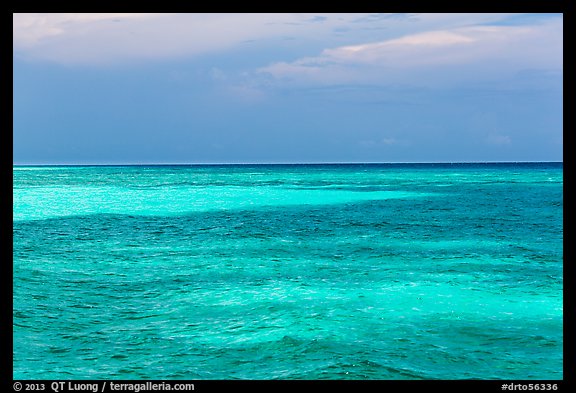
(130,88)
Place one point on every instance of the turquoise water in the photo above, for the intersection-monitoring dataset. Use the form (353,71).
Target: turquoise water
(288,272)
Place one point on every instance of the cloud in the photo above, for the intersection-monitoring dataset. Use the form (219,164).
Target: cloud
(31,29)
(498,140)
(384,142)
(100,38)
(390,141)
(477,48)
(111,38)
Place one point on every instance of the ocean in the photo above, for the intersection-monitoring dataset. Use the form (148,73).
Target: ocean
(341,271)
